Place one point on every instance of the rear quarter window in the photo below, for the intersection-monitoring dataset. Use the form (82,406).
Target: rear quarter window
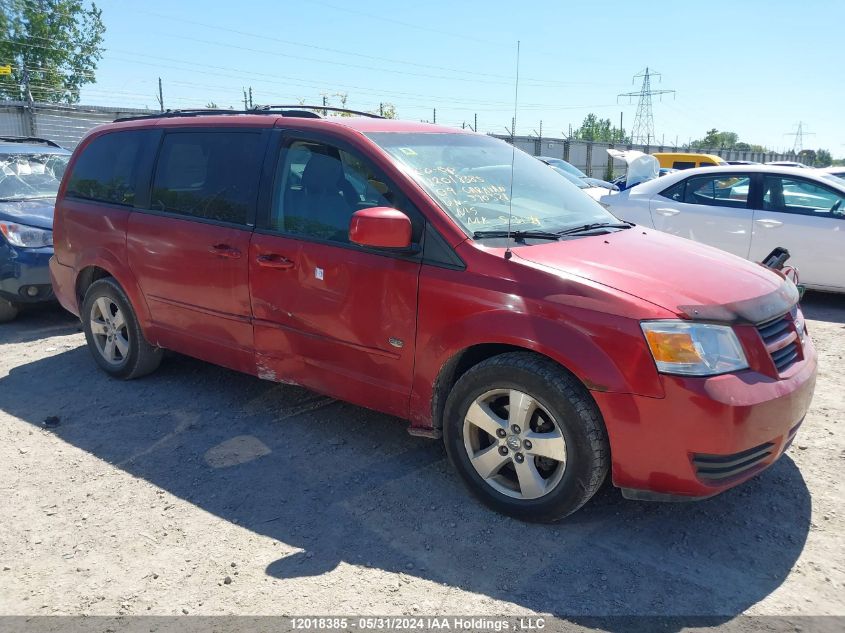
(208,174)
(683,164)
(107,169)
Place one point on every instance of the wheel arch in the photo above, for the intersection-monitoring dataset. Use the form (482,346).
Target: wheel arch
(101,266)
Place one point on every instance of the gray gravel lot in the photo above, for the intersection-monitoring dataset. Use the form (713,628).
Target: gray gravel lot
(202,491)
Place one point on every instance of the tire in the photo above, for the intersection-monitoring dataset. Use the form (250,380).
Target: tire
(564,449)
(106,312)
(8,311)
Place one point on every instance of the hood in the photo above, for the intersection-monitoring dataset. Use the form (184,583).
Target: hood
(692,280)
(37,213)
(598,182)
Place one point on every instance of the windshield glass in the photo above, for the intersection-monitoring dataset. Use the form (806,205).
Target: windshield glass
(27,176)
(469,176)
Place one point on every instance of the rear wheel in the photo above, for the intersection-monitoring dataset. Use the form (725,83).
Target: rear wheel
(8,311)
(113,335)
(526,437)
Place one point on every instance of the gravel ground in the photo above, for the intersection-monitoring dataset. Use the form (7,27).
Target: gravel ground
(202,491)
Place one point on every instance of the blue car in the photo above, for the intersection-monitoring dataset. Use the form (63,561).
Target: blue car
(30,172)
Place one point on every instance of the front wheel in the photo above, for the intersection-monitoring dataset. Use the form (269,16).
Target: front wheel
(113,334)
(8,310)
(526,437)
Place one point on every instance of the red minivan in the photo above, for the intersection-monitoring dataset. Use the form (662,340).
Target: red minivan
(442,277)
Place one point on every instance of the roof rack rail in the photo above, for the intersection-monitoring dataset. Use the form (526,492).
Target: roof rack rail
(270,108)
(304,111)
(30,139)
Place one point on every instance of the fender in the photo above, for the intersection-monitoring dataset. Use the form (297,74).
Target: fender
(584,342)
(119,269)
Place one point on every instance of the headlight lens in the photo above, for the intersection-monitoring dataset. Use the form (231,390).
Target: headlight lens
(693,349)
(26,236)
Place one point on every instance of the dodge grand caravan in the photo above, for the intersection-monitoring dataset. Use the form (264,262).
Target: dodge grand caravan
(442,277)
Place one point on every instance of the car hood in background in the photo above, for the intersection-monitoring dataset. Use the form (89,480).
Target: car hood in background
(690,279)
(598,182)
(38,213)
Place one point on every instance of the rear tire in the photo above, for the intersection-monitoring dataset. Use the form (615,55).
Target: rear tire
(526,437)
(113,334)
(8,311)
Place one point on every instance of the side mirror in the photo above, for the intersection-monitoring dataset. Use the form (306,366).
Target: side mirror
(380,227)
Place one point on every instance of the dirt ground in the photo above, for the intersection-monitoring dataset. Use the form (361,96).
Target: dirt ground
(202,491)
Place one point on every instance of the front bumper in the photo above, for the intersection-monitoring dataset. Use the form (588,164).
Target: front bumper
(22,269)
(707,434)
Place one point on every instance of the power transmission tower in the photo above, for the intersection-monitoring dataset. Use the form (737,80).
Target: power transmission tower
(799,137)
(643,130)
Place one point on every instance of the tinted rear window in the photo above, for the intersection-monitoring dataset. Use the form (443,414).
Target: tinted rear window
(210,175)
(107,169)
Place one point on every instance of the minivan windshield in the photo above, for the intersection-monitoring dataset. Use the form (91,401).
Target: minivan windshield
(469,176)
(28,176)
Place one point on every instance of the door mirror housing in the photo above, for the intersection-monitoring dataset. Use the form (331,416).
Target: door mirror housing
(380,227)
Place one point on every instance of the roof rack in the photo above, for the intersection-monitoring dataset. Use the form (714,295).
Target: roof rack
(302,111)
(29,139)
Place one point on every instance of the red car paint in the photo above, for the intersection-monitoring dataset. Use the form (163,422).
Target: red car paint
(388,333)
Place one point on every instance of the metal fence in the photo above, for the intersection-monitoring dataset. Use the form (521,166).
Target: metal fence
(593,159)
(66,125)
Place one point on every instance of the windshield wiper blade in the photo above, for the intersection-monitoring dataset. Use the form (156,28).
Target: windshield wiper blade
(596,225)
(518,235)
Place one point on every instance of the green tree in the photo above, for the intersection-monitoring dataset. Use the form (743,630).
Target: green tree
(823,158)
(53,45)
(599,130)
(388,110)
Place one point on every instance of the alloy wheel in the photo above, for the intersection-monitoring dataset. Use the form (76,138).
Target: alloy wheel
(109,330)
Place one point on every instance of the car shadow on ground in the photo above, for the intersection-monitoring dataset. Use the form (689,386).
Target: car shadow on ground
(345,484)
(824,306)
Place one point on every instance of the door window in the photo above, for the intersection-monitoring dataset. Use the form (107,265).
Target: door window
(718,191)
(106,171)
(209,175)
(794,195)
(319,187)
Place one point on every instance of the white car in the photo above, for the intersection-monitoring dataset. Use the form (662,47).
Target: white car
(836,171)
(748,211)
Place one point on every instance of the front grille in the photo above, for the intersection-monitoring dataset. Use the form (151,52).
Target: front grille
(717,468)
(781,340)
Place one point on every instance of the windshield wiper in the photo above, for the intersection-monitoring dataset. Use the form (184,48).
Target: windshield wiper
(518,235)
(596,225)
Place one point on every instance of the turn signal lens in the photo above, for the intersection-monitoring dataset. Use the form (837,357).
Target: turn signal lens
(670,347)
(693,349)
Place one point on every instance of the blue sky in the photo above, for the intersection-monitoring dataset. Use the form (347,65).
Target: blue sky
(754,67)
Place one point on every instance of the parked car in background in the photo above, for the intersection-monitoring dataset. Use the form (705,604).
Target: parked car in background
(591,190)
(748,211)
(682,160)
(30,172)
(788,163)
(466,287)
(836,171)
(572,169)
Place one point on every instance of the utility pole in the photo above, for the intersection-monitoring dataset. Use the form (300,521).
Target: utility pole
(245,100)
(434,115)
(475,121)
(381,109)
(799,137)
(30,103)
(160,96)
(325,103)
(250,97)
(643,129)
(621,129)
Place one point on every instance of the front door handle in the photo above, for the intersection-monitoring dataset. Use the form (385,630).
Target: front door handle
(769,224)
(279,262)
(667,211)
(224,250)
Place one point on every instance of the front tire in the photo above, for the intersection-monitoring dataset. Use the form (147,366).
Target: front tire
(526,437)
(8,310)
(113,334)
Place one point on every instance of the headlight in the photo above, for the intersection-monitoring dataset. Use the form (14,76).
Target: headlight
(26,236)
(693,349)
